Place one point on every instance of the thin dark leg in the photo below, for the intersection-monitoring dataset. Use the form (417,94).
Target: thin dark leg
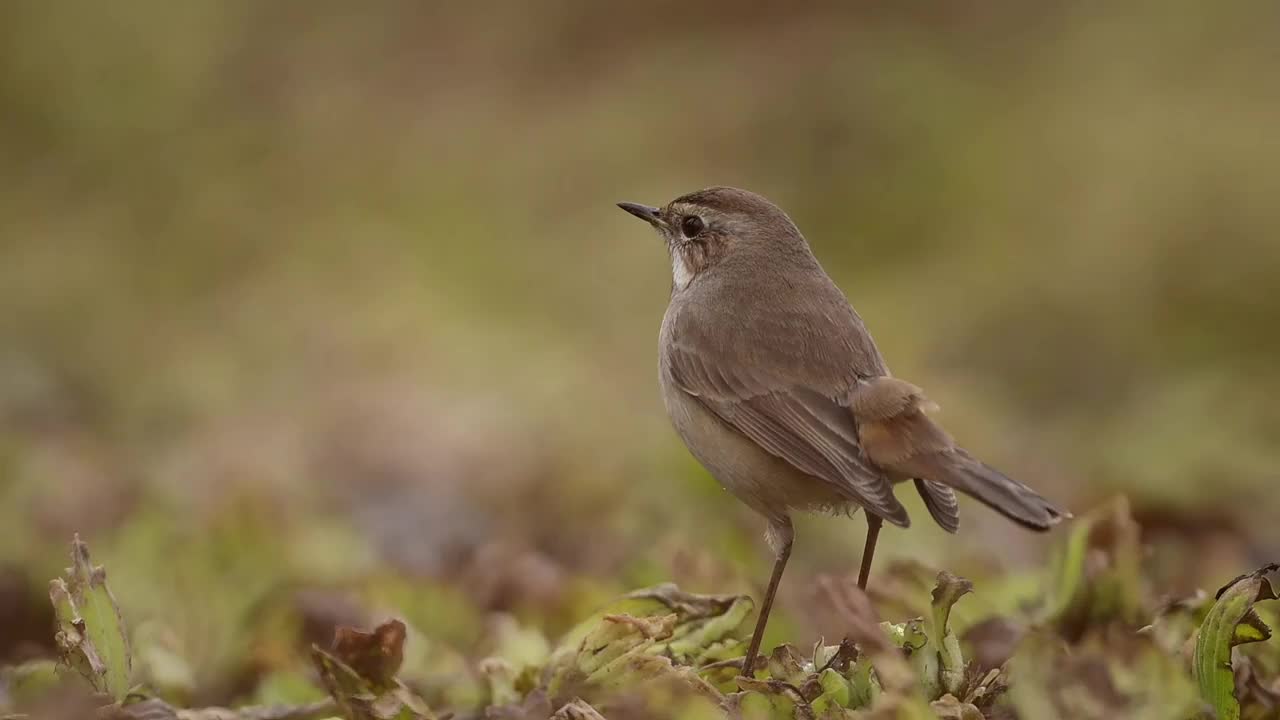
(869,550)
(780,536)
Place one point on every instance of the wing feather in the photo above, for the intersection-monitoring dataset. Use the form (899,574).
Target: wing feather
(801,425)
(941,503)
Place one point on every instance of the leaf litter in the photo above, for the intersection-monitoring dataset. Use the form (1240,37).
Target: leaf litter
(1095,645)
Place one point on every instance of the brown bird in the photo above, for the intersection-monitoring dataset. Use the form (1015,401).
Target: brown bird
(775,385)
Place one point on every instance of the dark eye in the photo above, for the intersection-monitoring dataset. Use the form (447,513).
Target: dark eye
(691,225)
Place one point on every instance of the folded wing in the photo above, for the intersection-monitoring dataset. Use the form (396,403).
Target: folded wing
(803,425)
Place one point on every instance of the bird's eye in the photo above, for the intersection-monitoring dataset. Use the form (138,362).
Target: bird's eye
(691,225)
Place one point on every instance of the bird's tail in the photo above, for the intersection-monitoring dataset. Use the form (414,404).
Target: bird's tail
(1007,496)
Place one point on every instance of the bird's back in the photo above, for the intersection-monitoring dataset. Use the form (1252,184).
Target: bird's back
(796,328)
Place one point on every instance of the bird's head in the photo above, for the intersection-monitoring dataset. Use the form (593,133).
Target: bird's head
(706,228)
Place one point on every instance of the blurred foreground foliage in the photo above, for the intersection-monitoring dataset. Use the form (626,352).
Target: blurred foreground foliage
(1091,642)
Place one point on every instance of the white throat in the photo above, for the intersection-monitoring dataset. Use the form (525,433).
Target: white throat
(681,275)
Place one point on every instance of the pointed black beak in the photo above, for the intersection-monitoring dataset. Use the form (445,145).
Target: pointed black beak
(650,215)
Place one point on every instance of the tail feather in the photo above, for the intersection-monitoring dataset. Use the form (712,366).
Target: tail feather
(896,433)
(960,470)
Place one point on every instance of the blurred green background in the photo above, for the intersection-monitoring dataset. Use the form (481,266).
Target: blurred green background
(330,301)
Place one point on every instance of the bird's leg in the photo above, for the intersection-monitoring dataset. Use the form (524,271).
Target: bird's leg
(869,549)
(781,533)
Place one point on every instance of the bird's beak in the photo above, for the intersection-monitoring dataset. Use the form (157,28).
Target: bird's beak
(651,215)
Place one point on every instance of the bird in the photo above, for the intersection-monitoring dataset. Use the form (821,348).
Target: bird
(775,385)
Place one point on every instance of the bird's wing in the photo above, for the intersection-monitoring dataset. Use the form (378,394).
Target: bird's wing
(941,503)
(804,425)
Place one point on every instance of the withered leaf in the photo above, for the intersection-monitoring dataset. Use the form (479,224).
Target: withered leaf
(375,656)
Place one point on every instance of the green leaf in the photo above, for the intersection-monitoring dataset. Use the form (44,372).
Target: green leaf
(785,664)
(91,636)
(500,676)
(1230,622)
(1097,574)
(699,618)
(943,641)
(165,670)
(836,691)
(27,682)
(641,636)
(863,689)
(712,637)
